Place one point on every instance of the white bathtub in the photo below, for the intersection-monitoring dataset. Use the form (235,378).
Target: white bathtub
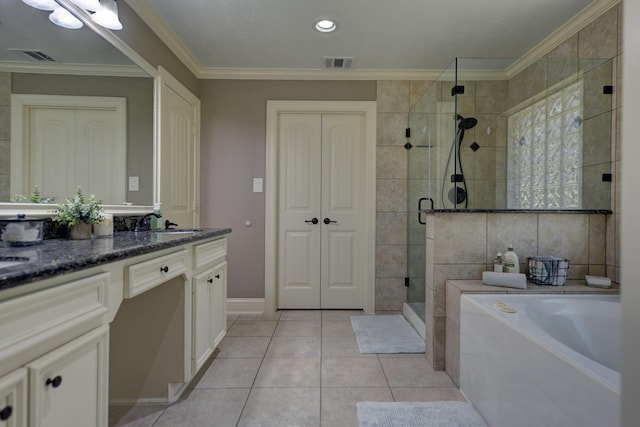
(553,363)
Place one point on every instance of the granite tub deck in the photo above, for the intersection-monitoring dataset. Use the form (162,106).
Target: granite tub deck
(63,256)
(455,288)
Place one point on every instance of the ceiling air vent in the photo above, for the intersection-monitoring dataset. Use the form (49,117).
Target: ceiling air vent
(338,63)
(33,54)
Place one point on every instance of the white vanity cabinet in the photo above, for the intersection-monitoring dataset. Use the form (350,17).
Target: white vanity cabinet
(135,329)
(54,357)
(209,300)
(13,399)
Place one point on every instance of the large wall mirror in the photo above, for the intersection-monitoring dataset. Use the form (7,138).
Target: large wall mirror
(41,61)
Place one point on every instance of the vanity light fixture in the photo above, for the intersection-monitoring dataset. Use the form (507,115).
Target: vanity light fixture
(42,4)
(63,18)
(108,15)
(103,12)
(90,5)
(326,26)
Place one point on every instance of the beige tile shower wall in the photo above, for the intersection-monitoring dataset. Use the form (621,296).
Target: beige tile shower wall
(601,39)
(391,187)
(5,125)
(394,101)
(463,245)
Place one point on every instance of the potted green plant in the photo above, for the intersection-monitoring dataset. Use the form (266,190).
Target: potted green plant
(35,197)
(79,213)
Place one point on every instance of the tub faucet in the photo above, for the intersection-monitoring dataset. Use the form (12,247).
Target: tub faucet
(144,218)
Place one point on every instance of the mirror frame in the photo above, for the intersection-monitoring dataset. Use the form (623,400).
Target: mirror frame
(43,210)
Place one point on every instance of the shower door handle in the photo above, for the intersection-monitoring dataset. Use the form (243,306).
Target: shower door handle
(420,221)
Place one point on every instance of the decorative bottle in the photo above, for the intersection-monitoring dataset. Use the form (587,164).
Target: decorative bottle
(497,263)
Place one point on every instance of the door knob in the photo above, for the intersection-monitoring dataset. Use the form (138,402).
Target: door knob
(313,221)
(55,383)
(6,412)
(329,221)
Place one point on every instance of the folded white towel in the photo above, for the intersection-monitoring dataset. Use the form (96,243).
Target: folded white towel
(508,280)
(598,281)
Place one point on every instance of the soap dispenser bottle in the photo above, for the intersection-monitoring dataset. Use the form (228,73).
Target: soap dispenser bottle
(155,224)
(511,263)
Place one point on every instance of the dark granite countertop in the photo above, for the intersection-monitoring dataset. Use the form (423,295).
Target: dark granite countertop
(523,211)
(61,256)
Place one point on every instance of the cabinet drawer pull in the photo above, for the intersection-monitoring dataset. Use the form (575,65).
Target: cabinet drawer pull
(165,269)
(6,412)
(55,382)
(218,276)
(210,281)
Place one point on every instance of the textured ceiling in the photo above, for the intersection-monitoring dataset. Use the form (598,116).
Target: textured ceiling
(380,34)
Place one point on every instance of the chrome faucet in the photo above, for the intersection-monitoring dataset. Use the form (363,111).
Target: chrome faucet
(144,218)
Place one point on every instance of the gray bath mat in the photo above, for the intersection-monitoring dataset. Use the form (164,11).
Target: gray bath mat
(386,334)
(418,414)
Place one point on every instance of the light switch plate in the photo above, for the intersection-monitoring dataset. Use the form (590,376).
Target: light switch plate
(134,183)
(257,185)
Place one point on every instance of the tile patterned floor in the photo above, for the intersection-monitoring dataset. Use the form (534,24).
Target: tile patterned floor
(292,368)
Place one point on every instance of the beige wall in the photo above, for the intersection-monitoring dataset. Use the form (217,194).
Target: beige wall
(137,35)
(139,94)
(233,153)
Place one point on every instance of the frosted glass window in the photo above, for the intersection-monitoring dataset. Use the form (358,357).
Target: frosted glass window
(544,152)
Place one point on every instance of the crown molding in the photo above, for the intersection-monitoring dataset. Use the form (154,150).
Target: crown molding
(316,74)
(72,69)
(586,16)
(150,17)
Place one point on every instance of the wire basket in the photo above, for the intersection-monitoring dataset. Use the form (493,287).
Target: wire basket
(548,270)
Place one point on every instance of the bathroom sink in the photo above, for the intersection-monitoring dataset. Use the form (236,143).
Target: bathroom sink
(10,261)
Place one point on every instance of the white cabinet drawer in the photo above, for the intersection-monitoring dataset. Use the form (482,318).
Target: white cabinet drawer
(148,274)
(13,399)
(37,319)
(207,253)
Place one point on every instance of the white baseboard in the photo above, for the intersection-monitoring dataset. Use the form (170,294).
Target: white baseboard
(245,305)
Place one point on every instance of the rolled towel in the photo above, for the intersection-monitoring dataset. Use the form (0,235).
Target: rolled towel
(508,280)
(598,281)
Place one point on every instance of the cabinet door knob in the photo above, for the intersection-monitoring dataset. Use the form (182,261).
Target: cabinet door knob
(165,269)
(218,276)
(55,382)
(6,412)
(210,281)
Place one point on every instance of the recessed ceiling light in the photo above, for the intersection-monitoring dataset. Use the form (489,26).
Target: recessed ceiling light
(326,26)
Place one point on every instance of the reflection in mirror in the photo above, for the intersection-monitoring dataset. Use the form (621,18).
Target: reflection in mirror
(507,134)
(83,65)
